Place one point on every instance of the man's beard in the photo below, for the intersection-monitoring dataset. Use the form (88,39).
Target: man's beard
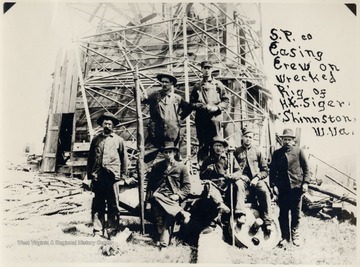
(107,130)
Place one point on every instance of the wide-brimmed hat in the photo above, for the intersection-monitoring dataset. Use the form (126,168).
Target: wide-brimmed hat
(107,116)
(168,75)
(247,130)
(218,139)
(288,133)
(169,145)
(206,63)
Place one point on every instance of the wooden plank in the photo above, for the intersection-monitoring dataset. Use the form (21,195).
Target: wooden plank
(56,83)
(74,87)
(51,143)
(62,89)
(49,155)
(81,147)
(68,82)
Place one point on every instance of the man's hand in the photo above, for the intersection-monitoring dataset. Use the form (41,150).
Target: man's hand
(175,197)
(198,106)
(305,187)
(212,108)
(130,181)
(230,177)
(254,181)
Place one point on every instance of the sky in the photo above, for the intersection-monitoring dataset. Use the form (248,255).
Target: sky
(32,34)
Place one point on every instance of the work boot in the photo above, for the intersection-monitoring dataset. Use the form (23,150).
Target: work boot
(282,243)
(164,238)
(267,229)
(222,208)
(241,220)
(296,242)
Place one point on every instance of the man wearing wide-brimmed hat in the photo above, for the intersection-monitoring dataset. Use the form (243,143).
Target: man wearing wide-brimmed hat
(209,99)
(107,163)
(252,174)
(167,109)
(289,176)
(168,185)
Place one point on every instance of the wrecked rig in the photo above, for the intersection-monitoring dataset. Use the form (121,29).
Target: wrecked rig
(122,50)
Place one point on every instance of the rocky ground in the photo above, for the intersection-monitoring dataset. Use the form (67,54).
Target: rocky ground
(65,236)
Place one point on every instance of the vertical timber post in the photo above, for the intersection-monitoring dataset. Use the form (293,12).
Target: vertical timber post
(83,93)
(187,94)
(140,147)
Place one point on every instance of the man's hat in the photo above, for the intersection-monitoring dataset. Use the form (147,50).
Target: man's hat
(107,116)
(169,145)
(218,139)
(288,133)
(246,130)
(168,75)
(206,63)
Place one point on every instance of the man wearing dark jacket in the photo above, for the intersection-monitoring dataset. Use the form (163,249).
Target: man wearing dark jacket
(289,176)
(168,185)
(209,99)
(167,109)
(107,164)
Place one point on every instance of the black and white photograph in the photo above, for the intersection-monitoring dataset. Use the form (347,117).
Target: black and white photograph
(179,132)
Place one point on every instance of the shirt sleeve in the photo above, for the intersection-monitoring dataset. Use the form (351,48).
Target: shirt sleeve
(264,170)
(185,183)
(185,109)
(224,97)
(273,173)
(194,98)
(123,158)
(305,167)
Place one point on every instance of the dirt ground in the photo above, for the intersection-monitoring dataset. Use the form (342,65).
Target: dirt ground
(65,238)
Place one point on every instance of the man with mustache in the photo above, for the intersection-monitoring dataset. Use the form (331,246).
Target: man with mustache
(290,177)
(107,164)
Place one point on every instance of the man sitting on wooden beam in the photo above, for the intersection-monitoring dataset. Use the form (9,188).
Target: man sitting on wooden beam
(168,185)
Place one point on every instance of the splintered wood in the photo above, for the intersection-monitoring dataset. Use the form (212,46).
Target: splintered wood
(41,195)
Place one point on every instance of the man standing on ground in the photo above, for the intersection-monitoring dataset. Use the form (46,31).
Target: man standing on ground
(289,176)
(254,170)
(107,164)
(168,185)
(209,99)
(167,109)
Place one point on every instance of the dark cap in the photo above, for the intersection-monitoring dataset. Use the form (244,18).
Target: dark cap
(206,63)
(247,130)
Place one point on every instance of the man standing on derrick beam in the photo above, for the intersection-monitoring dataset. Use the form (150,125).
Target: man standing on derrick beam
(209,99)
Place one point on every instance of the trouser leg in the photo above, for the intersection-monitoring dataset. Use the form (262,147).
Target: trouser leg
(163,225)
(263,196)
(240,195)
(98,208)
(113,212)
(295,212)
(284,217)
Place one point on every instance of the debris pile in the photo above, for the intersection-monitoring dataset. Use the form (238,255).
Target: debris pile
(326,203)
(38,194)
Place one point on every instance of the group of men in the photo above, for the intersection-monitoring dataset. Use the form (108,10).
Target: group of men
(168,181)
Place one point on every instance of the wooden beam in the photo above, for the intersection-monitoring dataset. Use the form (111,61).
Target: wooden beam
(140,147)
